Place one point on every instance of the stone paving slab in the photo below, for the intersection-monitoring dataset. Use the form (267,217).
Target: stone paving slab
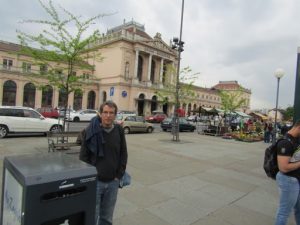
(175,212)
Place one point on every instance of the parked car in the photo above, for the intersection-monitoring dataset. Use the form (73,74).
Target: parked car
(156,118)
(82,115)
(121,115)
(126,112)
(136,124)
(62,112)
(184,125)
(192,118)
(48,112)
(17,119)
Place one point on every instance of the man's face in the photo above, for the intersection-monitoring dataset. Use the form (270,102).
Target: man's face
(108,116)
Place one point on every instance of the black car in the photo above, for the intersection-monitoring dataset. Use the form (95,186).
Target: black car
(184,125)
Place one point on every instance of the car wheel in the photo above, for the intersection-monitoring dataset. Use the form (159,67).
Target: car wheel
(164,130)
(3,131)
(126,130)
(76,119)
(56,128)
(149,130)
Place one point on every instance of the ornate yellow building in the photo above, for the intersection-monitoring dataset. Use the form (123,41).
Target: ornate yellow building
(132,70)
(234,86)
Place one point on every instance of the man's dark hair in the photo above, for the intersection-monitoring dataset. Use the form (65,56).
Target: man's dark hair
(110,104)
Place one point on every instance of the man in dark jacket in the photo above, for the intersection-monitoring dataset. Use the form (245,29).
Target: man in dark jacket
(103,145)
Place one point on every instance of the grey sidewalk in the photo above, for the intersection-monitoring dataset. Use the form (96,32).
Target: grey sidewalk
(202,180)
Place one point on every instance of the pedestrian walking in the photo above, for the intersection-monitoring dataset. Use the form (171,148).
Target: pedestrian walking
(288,177)
(103,145)
(266,133)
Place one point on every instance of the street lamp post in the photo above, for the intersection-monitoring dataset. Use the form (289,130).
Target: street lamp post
(178,45)
(279,73)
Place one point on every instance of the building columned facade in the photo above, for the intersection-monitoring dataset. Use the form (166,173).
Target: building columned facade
(133,69)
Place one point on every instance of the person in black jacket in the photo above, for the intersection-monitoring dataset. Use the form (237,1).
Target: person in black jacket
(103,145)
(288,177)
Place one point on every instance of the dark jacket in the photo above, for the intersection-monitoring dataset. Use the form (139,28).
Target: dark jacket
(113,162)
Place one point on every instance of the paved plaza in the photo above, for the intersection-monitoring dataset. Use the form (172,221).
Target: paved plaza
(203,180)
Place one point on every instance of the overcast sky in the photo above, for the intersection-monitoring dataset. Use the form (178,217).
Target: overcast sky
(242,40)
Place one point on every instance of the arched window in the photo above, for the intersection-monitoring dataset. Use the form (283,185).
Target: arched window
(164,73)
(47,95)
(140,68)
(9,93)
(29,95)
(141,103)
(194,109)
(152,74)
(63,98)
(166,106)
(91,100)
(153,103)
(184,106)
(104,96)
(189,108)
(77,100)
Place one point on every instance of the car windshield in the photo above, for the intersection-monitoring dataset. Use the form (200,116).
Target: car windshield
(119,117)
(182,120)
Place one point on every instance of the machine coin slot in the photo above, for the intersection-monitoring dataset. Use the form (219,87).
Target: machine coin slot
(62,194)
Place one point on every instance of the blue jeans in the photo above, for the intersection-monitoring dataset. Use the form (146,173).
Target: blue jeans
(289,189)
(106,198)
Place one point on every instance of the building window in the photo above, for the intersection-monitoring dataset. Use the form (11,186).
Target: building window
(77,100)
(140,68)
(152,72)
(86,76)
(9,93)
(126,72)
(91,100)
(43,69)
(164,73)
(62,98)
(47,95)
(29,95)
(26,67)
(104,96)
(7,64)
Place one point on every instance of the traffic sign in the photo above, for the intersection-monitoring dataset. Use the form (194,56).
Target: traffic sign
(111,92)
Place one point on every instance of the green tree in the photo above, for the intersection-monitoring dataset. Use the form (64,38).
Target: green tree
(231,100)
(186,88)
(288,113)
(60,49)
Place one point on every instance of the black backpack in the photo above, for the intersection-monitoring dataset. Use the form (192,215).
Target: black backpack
(270,160)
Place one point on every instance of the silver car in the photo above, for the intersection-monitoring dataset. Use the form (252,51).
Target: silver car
(132,124)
